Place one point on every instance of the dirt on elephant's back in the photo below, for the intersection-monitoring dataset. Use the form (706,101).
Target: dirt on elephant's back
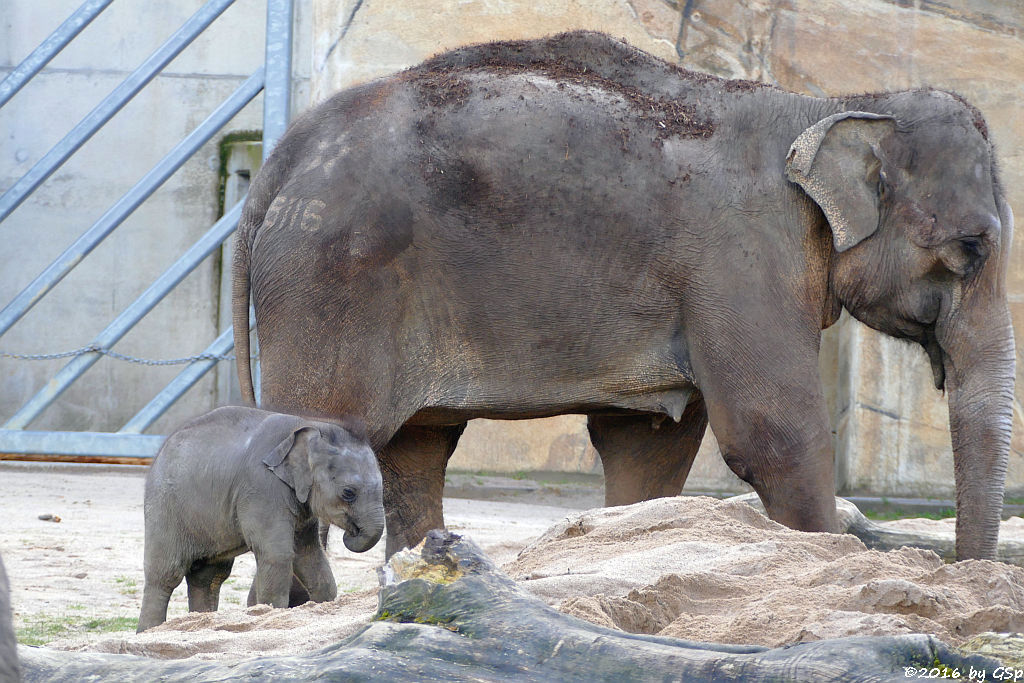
(710,570)
(584,59)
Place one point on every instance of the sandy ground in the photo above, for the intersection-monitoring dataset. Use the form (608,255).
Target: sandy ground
(690,567)
(89,564)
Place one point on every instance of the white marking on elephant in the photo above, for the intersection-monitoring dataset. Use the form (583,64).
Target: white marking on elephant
(356,247)
(315,162)
(274,211)
(311,219)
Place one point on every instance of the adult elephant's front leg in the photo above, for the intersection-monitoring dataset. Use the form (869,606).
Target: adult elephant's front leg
(766,407)
(412,466)
(643,459)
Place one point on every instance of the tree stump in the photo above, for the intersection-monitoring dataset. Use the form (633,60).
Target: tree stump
(446,613)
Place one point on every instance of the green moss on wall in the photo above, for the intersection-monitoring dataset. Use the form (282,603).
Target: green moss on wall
(224,153)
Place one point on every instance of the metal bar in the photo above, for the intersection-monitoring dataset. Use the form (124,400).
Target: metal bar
(128,318)
(110,105)
(278,62)
(277,97)
(180,384)
(114,216)
(80,443)
(49,48)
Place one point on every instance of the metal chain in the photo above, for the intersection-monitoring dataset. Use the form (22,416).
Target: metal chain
(147,361)
(119,356)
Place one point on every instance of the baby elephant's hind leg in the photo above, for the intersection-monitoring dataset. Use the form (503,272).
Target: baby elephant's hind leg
(204,582)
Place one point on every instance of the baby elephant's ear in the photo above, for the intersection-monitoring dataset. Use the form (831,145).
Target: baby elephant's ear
(289,460)
(836,162)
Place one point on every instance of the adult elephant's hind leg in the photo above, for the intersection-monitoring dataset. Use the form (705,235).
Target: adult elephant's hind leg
(412,466)
(642,461)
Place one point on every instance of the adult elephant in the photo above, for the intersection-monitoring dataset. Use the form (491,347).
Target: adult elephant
(570,225)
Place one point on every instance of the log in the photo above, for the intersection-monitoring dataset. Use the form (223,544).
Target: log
(446,613)
(88,459)
(879,537)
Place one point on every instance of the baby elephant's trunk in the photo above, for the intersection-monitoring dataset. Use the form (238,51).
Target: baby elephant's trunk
(359,539)
(364,523)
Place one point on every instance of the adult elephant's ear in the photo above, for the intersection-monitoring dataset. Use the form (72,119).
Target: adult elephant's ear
(836,162)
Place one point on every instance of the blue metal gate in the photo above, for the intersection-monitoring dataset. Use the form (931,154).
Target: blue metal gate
(274,80)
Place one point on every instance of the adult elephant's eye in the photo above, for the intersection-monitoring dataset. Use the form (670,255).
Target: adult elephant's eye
(973,252)
(972,247)
(348,494)
(883,186)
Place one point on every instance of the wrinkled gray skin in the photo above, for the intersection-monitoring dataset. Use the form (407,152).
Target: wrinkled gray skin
(570,225)
(9,669)
(239,479)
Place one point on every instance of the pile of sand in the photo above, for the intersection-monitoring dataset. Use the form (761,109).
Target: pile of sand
(703,569)
(694,568)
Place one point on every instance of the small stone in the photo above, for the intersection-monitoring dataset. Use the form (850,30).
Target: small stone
(80,575)
(46,518)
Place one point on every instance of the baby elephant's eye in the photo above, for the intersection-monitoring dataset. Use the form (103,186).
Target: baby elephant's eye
(348,494)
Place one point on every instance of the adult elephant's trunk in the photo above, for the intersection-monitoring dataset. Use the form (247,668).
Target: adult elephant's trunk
(979,361)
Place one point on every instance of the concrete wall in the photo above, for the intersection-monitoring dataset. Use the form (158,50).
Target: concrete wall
(891,430)
(891,425)
(108,165)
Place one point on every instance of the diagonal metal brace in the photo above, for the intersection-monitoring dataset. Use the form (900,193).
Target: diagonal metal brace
(110,105)
(131,315)
(124,207)
(49,48)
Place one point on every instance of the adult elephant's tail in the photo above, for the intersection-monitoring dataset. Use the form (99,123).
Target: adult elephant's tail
(240,303)
(265,187)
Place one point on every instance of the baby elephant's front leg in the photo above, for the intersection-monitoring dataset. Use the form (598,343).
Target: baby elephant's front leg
(273,577)
(275,555)
(312,567)
(297,594)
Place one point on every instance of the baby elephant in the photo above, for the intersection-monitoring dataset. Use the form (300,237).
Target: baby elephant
(238,479)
